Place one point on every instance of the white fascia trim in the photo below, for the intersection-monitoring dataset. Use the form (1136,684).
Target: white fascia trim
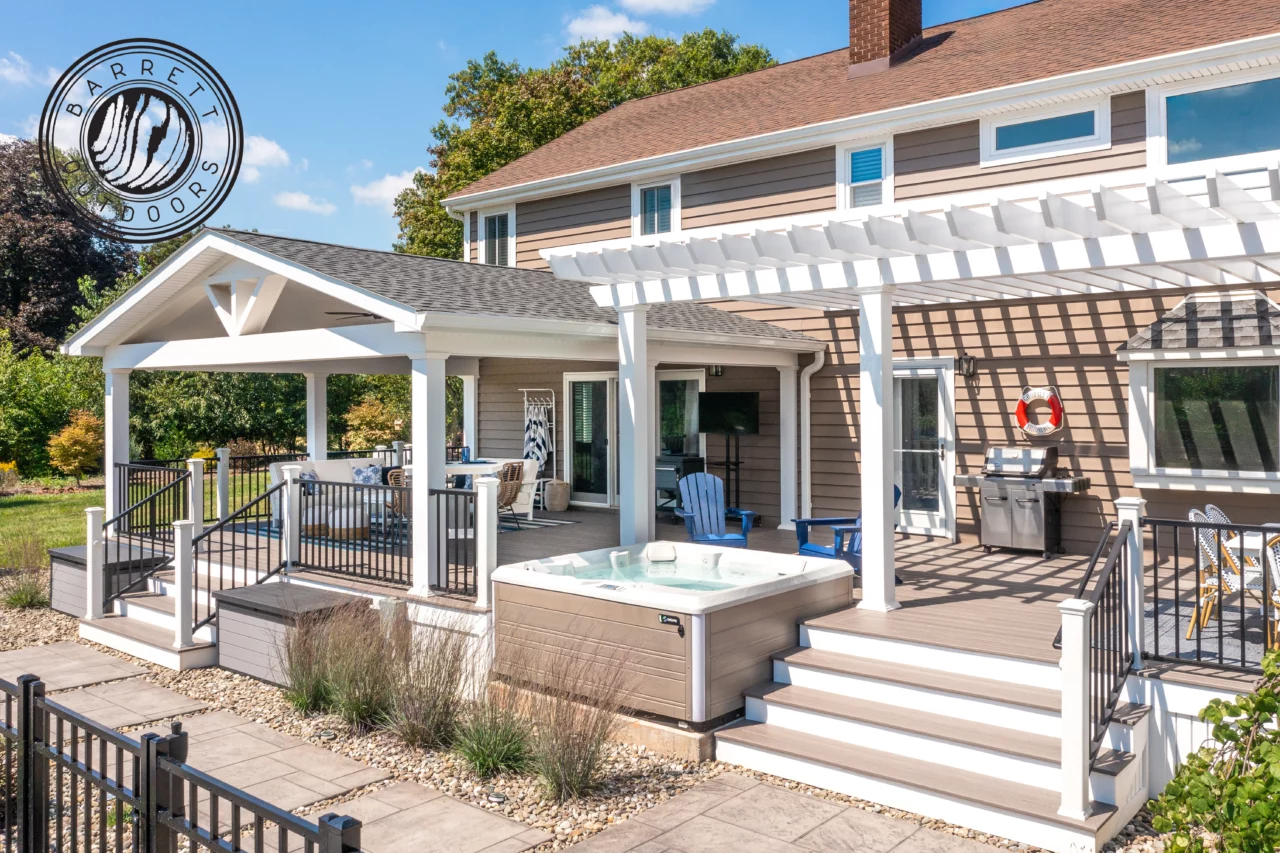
(1232,354)
(637,189)
(1211,481)
(1128,76)
(1099,140)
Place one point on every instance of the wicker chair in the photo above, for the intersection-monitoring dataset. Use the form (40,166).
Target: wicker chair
(1271,555)
(1212,556)
(397,504)
(510,481)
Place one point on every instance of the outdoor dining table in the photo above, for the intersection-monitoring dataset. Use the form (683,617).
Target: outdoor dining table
(476,467)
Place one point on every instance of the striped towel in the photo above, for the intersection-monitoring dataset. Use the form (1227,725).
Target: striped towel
(536,442)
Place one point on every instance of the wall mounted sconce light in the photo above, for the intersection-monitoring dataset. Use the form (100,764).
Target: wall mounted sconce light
(968,366)
(715,370)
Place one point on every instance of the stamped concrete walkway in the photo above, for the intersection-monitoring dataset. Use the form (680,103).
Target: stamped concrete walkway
(735,814)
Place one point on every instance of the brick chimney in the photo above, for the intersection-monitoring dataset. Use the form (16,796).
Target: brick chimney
(878,29)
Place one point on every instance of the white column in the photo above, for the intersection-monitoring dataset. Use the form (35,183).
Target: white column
(94,556)
(291,515)
(486,537)
(183,582)
(1075,708)
(427,383)
(1132,510)
(635,433)
(875,437)
(470,416)
(317,416)
(116,418)
(788,412)
(195,499)
(224,482)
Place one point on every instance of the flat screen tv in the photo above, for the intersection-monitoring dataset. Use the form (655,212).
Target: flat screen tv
(725,412)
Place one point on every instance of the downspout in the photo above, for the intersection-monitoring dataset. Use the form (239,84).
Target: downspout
(806,437)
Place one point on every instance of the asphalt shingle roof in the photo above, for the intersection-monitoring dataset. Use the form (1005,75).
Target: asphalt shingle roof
(1030,42)
(1201,322)
(456,287)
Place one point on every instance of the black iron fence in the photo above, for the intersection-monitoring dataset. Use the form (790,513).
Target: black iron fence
(455,519)
(138,542)
(241,550)
(357,529)
(136,484)
(385,456)
(248,477)
(1110,654)
(1213,592)
(73,785)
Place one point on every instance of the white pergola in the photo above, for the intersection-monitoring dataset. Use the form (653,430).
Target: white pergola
(1217,230)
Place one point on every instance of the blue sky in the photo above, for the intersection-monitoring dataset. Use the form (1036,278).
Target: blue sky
(338,99)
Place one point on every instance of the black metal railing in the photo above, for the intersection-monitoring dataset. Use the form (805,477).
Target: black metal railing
(385,457)
(452,453)
(248,477)
(138,542)
(210,484)
(455,523)
(1088,573)
(238,551)
(1213,592)
(136,483)
(357,529)
(1110,652)
(73,785)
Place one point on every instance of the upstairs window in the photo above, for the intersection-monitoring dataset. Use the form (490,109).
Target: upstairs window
(496,234)
(655,210)
(1219,418)
(1223,122)
(1036,134)
(866,176)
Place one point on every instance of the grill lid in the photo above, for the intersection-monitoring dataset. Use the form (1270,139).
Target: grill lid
(1020,461)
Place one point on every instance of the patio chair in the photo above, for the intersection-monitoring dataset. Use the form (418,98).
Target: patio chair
(397,504)
(703,509)
(1272,619)
(848,536)
(1211,555)
(510,482)
(1217,516)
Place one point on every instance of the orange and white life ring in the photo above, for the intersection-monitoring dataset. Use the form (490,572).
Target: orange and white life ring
(1050,396)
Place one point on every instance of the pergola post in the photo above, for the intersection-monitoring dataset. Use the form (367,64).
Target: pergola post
(116,418)
(875,440)
(635,433)
(427,384)
(788,412)
(317,416)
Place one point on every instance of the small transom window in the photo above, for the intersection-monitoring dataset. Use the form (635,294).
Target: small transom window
(1046,131)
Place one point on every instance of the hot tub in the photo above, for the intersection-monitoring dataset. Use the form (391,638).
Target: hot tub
(699,623)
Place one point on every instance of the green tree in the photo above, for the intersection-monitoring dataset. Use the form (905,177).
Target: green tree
(38,394)
(77,448)
(498,111)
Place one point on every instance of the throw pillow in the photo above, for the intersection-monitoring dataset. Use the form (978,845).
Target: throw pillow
(369,475)
(313,477)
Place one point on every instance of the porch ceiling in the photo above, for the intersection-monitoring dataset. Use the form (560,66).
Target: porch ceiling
(1210,231)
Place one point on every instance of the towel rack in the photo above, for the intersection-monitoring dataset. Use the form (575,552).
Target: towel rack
(543,397)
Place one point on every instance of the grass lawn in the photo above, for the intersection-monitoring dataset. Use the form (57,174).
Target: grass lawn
(55,519)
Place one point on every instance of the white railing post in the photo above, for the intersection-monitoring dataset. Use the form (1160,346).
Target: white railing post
(94,558)
(183,569)
(1132,510)
(224,482)
(379,451)
(397,453)
(1076,730)
(291,515)
(486,536)
(195,502)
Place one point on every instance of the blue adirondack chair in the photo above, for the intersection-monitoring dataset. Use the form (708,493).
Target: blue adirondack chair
(848,536)
(703,509)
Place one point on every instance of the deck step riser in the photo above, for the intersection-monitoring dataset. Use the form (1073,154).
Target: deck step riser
(159,618)
(900,796)
(169,658)
(1002,765)
(1012,670)
(1022,718)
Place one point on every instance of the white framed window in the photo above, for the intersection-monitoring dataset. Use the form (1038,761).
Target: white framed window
(655,207)
(1222,122)
(675,423)
(1050,132)
(497,237)
(864,169)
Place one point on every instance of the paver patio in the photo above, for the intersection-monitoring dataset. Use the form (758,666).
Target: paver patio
(735,814)
(128,703)
(65,665)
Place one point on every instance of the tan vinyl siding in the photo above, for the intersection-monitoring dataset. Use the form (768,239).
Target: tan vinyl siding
(945,160)
(473,250)
(603,214)
(1068,342)
(792,184)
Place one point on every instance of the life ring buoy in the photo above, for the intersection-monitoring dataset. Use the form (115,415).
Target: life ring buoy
(1049,395)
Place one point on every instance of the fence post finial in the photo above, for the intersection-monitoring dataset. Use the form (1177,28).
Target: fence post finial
(339,833)
(95,557)
(1076,729)
(1132,511)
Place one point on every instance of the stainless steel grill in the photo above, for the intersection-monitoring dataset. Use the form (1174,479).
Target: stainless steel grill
(1020,491)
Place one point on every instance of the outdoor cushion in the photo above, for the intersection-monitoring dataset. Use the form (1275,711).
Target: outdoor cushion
(368,475)
(349,522)
(315,520)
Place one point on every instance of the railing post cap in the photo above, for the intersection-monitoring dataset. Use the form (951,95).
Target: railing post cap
(1075,606)
(95,509)
(1131,503)
(340,822)
(184,524)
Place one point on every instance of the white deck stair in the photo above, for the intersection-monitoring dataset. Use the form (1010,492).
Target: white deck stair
(969,738)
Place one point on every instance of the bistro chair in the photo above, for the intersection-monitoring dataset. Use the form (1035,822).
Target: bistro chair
(1271,606)
(396,504)
(703,509)
(1211,556)
(510,481)
(1217,516)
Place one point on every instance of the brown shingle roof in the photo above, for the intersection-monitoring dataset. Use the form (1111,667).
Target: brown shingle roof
(1032,42)
(1207,321)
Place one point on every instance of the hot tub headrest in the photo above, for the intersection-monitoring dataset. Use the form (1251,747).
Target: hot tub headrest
(660,552)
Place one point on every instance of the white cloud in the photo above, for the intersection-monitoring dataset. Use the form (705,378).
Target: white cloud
(666,7)
(5,139)
(18,71)
(31,126)
(382,192)
(304,202)
(261,153)
(597,22)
